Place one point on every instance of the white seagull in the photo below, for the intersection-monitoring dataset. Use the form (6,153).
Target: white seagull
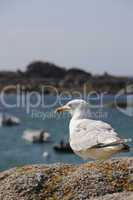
(91,138)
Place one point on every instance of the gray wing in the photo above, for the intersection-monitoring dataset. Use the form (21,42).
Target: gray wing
(90,133)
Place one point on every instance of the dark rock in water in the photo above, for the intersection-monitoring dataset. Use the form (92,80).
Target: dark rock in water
(110,180)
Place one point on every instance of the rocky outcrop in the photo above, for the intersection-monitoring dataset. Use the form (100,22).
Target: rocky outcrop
(110,180)
(45,70)
(75,78)
(39,74)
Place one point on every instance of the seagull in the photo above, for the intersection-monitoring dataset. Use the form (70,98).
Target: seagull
(91,139)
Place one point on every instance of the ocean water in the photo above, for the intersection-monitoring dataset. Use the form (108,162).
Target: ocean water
(14,151)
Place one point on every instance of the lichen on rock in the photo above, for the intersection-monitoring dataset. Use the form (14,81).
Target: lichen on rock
(112,179)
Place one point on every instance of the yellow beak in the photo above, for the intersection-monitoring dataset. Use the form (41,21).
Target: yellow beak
(62,109)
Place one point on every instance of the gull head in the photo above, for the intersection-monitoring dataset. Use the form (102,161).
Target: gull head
(73,106)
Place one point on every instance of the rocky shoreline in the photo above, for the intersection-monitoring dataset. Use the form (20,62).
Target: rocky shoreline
(40,74)
(110,180)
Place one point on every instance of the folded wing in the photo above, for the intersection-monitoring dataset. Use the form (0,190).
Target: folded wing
(90,133)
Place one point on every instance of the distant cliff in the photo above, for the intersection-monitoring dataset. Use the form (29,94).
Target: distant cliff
(110,180)
(40,73)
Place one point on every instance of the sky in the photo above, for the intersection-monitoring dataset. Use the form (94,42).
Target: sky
(96,35)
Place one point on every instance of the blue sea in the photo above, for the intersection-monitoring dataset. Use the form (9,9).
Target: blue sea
(15,151)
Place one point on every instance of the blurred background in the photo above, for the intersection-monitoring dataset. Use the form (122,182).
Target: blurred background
(58,51)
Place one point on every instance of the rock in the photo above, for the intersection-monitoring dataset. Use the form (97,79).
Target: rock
(45,70)
(116,196)
(75,77)
(110,180)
